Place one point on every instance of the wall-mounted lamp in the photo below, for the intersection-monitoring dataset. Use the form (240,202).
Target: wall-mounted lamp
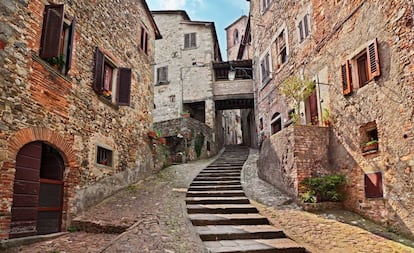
(232,72)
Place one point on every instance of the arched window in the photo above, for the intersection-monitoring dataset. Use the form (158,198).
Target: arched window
(235,37)
(276,123)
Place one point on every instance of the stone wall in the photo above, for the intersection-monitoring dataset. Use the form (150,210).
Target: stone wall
(189,128)
(233,43)
(38,103)
(341,31)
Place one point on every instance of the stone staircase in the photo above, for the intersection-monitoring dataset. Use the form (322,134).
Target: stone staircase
(223,216)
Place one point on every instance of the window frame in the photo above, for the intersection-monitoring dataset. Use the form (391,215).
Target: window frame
(190,40)
(282,59)
(56,48)
(160,81)
(264,4)
(304,27)
(351,78)
(104,150)
(378,187)
(266,74)
(144,41)
(121,80)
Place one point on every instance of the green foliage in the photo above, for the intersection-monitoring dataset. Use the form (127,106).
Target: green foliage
(295,90)
(198,145)
(370,142)
(72,229)
(325,188)
(57,60)
(326,117)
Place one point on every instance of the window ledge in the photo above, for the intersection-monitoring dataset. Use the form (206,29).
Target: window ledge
(265,82)
(190,48)
(107,102)
(49,67)
(162,83)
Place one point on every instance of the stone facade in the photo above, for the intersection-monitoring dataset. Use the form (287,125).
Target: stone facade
(235,36)
(362,68)
(60,108)
(183,69)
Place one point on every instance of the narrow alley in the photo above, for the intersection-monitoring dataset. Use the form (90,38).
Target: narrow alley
(151,216)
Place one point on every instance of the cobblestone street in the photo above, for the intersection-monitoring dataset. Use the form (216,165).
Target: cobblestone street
(153,216)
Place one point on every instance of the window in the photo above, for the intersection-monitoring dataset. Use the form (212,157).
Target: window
(276,123)
(265,5)
(190,40)
(235,37)
(104,156)
(265,69)
(56,43)
(162,75)
(361,69)
(144,40)
(304,28)
(110,82)
(373,185)
(369,138)
(281,48)
(172,98)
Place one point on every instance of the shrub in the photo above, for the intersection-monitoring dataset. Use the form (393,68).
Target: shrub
(325,188)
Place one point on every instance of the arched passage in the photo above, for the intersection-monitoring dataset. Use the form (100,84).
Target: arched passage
(37,191)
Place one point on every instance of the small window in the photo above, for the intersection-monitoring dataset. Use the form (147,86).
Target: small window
(281,42)
(373,185)
(144,40)
(276,123)
(369,138)
(56,43)
(172,99)
(111,82)
(190,40)
(304,28)
(208,146)
(361,69)
(104,156)
(265,69)
(162,75)
(235,37)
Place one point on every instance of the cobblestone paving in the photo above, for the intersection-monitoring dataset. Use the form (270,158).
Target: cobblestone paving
(155,210)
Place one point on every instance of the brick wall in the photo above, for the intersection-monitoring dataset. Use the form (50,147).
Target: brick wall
(37,103)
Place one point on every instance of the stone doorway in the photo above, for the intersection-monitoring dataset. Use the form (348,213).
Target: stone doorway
(38,191)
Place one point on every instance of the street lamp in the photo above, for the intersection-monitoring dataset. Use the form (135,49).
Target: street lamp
(232,72)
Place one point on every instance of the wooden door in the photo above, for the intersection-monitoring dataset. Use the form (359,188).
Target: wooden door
(26,191)
(313,108)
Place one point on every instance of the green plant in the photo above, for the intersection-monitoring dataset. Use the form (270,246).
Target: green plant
(325,188)
(308,197)
(326,117)
(295,90)
(368,143)
(57,60)
(72,229)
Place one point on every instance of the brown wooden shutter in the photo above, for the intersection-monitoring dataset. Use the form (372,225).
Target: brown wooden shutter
(51,31)
(70,45)
(145,42)
(158,75)
(346,79)
(142,38)
(186,40)
(124,86)
(373,60)
(373,185)
(193,42)
(98,78)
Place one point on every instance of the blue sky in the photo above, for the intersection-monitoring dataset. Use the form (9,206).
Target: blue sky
(221,12)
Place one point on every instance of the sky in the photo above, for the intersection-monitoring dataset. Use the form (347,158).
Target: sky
(222,12)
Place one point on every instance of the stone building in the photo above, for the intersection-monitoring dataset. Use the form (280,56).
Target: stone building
(360,57)
(183,76)
(75,106)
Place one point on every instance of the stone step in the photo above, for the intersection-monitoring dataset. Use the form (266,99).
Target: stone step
(219,174)
(98,227)
(224,178)
(233,193)
(220,169)
(228,182)
(254,246)
(228,232)
(225,165)
(217,200)
(215,188)
(228,219)
(221,208)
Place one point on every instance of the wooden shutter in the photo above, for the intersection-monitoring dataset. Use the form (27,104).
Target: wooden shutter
(193,42)
(51,31)
(144,40)
(306,25)
(98,78)
(124,86)
(186,40)
(346,79)
(373,60)
(373,185)
(70,45)
(300,27)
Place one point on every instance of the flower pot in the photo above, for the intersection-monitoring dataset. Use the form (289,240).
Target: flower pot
(371,147)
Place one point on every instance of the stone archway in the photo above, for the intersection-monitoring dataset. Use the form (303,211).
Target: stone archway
(8,170)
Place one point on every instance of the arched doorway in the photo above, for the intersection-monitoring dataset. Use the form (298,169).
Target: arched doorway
(37,191)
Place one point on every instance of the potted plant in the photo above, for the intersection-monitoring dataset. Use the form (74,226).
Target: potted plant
(185,114)
(371,145)
(326,117)
(57,62)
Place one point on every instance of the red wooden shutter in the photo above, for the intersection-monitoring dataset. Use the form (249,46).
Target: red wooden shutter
(346,79)
(373,60)
(52,30)
(124,86)
(373,185)
(98,79)
(70,45)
